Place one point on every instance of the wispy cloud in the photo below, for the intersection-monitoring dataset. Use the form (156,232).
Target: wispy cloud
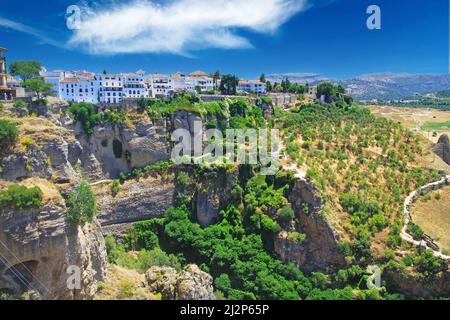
(179,26)
(29,30)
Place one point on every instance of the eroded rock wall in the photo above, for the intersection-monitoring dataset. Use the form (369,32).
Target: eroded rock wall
(38,245)
(319,252)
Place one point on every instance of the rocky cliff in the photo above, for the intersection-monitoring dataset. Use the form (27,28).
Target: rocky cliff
(319,252)
(137,200)
(214,193)
(37,247)
(442,148)
(438,286)
(190,284)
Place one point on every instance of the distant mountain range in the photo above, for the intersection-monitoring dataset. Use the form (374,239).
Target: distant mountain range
(383,86)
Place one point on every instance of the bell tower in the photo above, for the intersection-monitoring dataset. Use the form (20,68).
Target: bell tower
(5,92)
(3,68)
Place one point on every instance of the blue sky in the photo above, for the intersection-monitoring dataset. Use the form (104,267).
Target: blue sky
(245,37)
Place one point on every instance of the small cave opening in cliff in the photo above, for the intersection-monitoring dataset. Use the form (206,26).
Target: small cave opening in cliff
(117,149)
(23,274)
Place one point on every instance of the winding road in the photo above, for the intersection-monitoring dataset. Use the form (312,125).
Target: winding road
(409,201)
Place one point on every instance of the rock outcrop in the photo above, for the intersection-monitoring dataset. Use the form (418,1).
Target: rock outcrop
(213,195)
(113,149)
(44,150)
(442,148)
(438,286)
(37,247)
(190,284)
(319,252)
(137,200)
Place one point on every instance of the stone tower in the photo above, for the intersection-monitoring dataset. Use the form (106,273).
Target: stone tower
(2,68)
(5,92)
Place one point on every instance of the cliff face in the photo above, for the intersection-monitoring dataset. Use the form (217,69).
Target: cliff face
(137,200)
(113,149)
(442,148)
(319,252)
(190,284)
(37,247)
(213,195)
(44,150)
(439,286)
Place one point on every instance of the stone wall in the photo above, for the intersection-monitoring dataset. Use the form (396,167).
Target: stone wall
(427,242)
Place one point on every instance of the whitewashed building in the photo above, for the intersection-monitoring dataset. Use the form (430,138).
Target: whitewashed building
(78,90)
(252,86)
(160,85)
(109,88)
(199,79)
(134,86)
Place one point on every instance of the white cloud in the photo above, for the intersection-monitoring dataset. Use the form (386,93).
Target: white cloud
(179,26)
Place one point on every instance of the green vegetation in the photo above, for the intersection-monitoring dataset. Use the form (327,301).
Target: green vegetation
(21,197)
(39,87)
(86,114)
(161,108)
(244,115)
(436,126)
(8,135)
(160,167)
(82,206)
(25,69)
(331,92)
(440,101)
(20,104)
(286,86)
(415,231)
(228,85)
(143,260)
(361,163)
(115,187)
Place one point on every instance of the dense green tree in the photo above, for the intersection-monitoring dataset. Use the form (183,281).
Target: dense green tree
(38,86)
(228,85)
(262,78)
(8,135)
(25,69)
(82,205)
(86,114)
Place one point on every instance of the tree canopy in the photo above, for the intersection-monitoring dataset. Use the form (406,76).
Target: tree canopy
(25,69)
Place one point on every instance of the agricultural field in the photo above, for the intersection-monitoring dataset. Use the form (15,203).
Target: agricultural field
(432,215)
(430,123)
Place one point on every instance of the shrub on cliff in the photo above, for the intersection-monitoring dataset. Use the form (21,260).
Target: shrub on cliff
(21,197)
(86,114)
(82,204)
(20,104)
(8,134)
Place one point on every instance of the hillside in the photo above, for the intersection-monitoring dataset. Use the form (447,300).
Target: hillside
(381,86)
(241,234)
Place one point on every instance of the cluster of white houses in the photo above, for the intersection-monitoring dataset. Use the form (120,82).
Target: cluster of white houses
(83,86)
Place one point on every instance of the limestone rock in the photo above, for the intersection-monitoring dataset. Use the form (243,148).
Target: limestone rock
(319,252)
(19,166)
(214,195)
(442,148)
(137,200)
(190,284)
(38,245)
(438,286)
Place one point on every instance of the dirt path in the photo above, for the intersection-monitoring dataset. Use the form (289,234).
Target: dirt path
(299,173)
(101,182)
(407,212)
